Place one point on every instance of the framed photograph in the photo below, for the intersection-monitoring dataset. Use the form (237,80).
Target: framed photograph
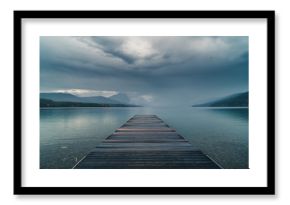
(144,102)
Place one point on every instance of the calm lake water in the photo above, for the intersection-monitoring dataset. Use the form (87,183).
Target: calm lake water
(68,134)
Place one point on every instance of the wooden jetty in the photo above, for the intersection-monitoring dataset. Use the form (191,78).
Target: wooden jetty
(145,142)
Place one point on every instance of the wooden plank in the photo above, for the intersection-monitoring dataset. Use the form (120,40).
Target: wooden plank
(145,142)
(145,130)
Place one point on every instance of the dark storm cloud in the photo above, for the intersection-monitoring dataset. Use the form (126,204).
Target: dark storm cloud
(156,70)
(108,46)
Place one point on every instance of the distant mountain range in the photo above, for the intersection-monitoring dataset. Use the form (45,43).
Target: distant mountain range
(66,99)
(120,97)
(51,103)
(235,100)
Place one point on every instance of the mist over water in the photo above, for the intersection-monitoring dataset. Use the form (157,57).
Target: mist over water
(68,134)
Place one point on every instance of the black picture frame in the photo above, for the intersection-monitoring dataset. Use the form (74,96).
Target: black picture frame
(269,189)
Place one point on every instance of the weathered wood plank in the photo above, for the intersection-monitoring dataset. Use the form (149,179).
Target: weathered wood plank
(145,142)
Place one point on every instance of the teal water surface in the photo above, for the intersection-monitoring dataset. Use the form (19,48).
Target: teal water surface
(68,134)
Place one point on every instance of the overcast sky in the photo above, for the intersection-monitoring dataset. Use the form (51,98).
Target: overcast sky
(157,71)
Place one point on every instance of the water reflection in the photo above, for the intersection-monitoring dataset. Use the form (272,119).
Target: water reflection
(67,134)
(240,113)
